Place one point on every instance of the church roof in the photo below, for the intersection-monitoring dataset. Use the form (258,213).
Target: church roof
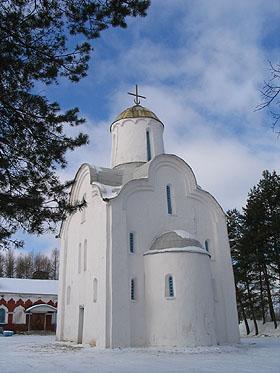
(175,239)
(137,111)
(28,286)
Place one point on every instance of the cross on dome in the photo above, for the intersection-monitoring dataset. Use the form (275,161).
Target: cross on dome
(136,100)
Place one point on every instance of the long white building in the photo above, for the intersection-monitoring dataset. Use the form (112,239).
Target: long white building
(147,262)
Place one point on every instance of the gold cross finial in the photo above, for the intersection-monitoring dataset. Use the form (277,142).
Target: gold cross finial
(136,100)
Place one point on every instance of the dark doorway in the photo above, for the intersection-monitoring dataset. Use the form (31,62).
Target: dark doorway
(81,324)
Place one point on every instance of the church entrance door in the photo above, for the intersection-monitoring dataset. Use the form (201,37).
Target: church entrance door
(81,324)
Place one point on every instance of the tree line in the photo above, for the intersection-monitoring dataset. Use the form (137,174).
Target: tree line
(254,236)
(29,265)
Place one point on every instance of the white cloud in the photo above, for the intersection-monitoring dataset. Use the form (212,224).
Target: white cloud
(200,63)
(205,90)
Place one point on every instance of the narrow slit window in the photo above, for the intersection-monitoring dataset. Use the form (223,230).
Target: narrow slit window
(80,258)
(85,255)
(169,286)
(149,154)
(207,245)
(169,200)
(132,289)
(131,242)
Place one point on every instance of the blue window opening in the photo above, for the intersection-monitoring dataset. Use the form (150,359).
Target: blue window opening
(149,153)
(2,316)
(169,202)
(131,242)
(132,289)
(207,246)
(170,286)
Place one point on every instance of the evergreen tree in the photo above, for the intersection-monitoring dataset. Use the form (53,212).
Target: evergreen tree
(243,275)
(41,42)
(263,222)
(255,243)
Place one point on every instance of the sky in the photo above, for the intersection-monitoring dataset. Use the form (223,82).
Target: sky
(201,65)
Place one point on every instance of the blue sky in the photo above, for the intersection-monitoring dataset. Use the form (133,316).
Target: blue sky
(201,64)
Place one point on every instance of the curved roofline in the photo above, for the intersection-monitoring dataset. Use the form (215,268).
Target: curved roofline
(189,249)
(38,306)
(149,165)
(130,116)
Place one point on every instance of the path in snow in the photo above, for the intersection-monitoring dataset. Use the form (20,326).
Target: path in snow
(42,354)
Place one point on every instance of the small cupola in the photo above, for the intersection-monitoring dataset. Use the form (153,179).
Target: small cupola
(137,135)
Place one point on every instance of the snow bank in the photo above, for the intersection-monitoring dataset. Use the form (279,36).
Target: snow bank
(265,330)
(41,353)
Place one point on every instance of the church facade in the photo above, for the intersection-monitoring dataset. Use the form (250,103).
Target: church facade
(147,262)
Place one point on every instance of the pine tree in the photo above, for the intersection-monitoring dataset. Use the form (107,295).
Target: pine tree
(262,214)
(42,42)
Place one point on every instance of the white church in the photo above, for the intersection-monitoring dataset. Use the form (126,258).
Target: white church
(147,262)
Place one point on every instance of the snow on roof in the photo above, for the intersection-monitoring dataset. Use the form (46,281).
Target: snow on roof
(41,308)
(108,191)
(28,286)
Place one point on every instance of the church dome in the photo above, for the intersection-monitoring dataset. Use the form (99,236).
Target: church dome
(175,239)
(137,111)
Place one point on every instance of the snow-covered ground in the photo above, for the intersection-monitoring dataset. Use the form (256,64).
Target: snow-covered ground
(43,354)
(265,330)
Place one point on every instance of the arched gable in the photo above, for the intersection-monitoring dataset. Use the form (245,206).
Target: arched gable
(146,179)
(85,174)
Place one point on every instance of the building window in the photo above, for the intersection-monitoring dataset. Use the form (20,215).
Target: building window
(2,316)
(149,153)
(169,286)
(132,289)
(169,199)
(19,316)
(85,255)
(131,242)
(207,245)
(95,283)
(68,295)
(79,258)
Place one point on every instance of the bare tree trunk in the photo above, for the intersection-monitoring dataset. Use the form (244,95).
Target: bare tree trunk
(240,303)
(244,317)
(270,303)
(261,295)
(252,311)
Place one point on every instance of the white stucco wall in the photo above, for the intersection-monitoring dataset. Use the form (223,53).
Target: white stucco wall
(187,319)
(142,208)
(204,311)
(129,141)
(90,226)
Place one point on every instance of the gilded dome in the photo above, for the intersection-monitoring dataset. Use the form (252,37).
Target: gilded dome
(137,111)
